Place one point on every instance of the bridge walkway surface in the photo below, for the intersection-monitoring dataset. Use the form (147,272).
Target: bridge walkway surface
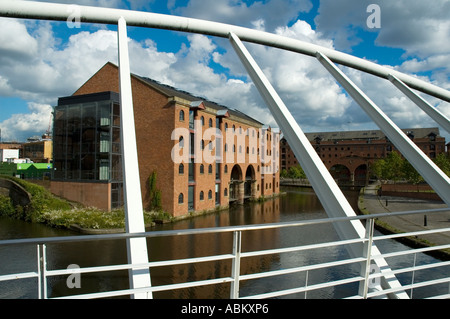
(372,203)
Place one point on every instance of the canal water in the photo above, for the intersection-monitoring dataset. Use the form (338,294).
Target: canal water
(296,204)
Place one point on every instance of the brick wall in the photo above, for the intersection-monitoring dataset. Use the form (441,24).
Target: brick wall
(156,118)
(89,194)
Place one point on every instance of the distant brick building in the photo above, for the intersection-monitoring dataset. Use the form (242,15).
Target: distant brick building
(38,151)
(349,154)
(236,163)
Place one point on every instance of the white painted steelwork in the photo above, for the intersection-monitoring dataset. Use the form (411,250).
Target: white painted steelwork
(134,212)
(432,174)
(61,12)
(432,111)
(319,178)
(326,188)
(43,274)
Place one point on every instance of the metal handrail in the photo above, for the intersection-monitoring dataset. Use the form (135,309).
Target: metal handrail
(42,273)
(205,230)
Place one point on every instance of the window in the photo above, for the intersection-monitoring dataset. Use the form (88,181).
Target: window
(202,169)
(182,115)
(210,194)
(191,170)
(190,198)
(181,169)
(181,142)
(225,192)
(217,199)
(225,170)
(203,121)
(192,144)
(210,169)
(202,196)
(210,123)
(191,119)
(180,198)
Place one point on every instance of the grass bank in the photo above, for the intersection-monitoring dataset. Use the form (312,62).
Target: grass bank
(45,208)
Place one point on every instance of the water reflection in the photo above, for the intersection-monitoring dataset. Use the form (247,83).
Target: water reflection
(297,204)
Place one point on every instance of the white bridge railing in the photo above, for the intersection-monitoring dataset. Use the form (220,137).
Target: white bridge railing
(369,283)
(328,192)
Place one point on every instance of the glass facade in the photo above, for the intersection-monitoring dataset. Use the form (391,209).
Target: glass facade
(86,141)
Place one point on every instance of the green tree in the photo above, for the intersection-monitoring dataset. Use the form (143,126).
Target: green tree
(296,172)
(410,173)
(153,193)
(390,168)
(393,167)
(377,168)
(443,162)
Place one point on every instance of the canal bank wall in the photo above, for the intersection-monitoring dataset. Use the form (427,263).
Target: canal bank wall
(371,202)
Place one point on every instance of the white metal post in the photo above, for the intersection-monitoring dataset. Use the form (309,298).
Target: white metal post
(433,112)
(134,216)
(42,269)
(236,265)
(432,174)
(367,253)
(329,193)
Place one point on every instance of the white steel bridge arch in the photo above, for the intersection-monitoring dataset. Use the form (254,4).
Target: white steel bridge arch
(331,197)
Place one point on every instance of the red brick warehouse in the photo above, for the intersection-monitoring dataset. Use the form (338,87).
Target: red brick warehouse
(243,161)
(348,155)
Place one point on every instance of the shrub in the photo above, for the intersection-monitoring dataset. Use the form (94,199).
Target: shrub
(6,206)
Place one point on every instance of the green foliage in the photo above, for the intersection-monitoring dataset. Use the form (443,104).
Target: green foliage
(443,162)
(394,167)
(295,172)
(390,168)
(154,193)
(50,210)
(411,174)
(41,200)
(6,206)
(90,217)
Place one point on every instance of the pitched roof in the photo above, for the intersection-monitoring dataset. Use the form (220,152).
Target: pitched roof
(171,91)
(370,134)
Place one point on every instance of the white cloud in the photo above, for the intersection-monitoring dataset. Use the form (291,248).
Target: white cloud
(43,68)
(27,124)
(268,14)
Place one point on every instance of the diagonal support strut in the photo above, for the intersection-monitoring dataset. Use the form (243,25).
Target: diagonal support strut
(330,195)
(432,174)
(134,216)
(434,113)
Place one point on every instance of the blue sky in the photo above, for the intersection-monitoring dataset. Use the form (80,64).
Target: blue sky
(41,61)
